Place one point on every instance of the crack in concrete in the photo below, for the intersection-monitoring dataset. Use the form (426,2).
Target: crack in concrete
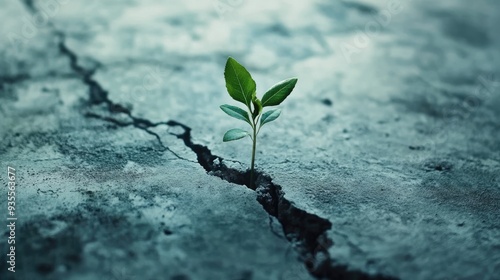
(141,124)
(98,95)
(307,232)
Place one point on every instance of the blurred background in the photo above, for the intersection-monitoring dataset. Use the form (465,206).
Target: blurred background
(392,134)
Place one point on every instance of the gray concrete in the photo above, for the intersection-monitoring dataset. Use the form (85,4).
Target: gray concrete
(392,135)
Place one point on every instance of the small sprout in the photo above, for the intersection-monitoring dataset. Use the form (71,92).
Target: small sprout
(242,88)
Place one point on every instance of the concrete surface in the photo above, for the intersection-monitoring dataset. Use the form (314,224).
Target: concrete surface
(385,163)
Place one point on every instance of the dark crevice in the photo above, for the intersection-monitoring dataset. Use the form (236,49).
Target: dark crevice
(306,231)
(212,164)
(97,94)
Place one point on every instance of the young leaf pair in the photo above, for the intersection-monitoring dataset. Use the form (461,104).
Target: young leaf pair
(242,88)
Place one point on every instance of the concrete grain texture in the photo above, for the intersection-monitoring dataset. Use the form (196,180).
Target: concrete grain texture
(385,162)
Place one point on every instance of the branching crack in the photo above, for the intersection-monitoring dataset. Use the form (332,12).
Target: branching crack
(141,124)
(307,232)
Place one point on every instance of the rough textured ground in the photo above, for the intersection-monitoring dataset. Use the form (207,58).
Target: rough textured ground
(385,163)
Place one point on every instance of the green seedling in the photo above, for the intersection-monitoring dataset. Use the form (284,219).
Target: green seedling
(242,88)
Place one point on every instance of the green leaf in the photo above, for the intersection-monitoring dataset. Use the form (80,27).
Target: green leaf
(270,116)
(236,112)
(257,106)
(278,92)
(239,82)
(234,134)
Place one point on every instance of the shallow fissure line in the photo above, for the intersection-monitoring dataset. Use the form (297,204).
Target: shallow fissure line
(306,231)
(98,95)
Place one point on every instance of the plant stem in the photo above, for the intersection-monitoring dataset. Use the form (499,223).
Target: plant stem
(254,138)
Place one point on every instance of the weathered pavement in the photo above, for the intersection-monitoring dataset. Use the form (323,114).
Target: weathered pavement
(385,162)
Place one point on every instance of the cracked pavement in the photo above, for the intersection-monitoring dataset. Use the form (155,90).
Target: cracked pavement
(385,163)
